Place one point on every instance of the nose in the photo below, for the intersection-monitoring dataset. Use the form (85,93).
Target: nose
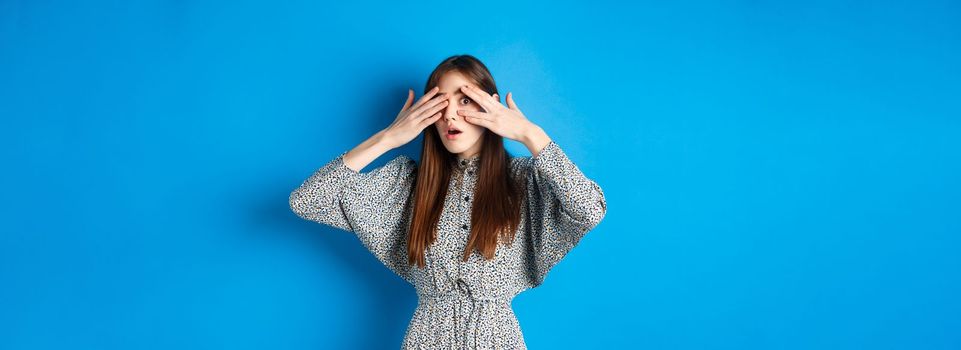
(450,112)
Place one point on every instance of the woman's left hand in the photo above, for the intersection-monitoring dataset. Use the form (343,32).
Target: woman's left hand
(507,121)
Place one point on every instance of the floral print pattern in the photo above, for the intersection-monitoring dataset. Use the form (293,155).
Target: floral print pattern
(463,305)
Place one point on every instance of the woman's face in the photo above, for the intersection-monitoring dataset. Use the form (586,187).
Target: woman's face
(467,143)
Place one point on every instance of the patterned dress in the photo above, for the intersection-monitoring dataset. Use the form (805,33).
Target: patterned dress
(461,305)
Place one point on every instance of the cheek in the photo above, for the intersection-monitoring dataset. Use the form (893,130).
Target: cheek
(475,129)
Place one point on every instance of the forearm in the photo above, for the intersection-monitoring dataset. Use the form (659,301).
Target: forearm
(365,153)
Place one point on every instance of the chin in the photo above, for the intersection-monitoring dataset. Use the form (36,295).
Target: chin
(454,148)
(458,146)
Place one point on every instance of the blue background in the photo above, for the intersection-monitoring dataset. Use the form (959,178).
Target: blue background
(778,176)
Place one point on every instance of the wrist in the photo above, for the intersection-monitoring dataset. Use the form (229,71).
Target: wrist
(383,140)
(535,139)
(528,133)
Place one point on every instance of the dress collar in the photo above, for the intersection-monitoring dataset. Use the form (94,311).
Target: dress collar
(467,163)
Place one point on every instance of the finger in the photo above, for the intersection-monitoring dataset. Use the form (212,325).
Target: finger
(442,99)
(410,99)
(427,97)
(480,96)
(478,121)
(430,94)
(473,115)
(434,109)
(510,102)
(430,120)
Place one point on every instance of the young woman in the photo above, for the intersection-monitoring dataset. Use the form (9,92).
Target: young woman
(470,226)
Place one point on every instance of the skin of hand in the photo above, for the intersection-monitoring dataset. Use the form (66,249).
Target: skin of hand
(413,118)
(410,121)
(507,121)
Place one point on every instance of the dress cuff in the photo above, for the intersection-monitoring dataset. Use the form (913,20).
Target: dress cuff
(551,161)
(341,166)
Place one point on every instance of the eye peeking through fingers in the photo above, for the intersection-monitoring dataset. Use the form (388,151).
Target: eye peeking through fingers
(465,100)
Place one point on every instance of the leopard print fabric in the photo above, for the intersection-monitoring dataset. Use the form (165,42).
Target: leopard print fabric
(463,305)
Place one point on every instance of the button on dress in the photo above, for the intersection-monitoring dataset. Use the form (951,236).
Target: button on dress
(461,305)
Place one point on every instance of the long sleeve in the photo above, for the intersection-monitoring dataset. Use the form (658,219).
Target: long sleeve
(563,206)
(374,205)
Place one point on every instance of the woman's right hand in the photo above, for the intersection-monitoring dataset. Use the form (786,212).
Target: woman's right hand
(412,119)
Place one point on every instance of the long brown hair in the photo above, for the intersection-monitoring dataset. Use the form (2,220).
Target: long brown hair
(496,212)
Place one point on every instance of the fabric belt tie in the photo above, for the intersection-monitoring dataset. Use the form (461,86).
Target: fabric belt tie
(464,294)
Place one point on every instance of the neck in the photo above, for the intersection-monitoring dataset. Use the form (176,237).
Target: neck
(465,155)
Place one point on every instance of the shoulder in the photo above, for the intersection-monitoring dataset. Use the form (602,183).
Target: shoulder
(520,165)
(403,160)
(401,165)
(520,162)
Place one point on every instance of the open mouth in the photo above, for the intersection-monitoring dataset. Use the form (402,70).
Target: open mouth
(452,133)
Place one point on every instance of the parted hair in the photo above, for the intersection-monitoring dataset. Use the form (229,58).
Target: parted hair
(496,211)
